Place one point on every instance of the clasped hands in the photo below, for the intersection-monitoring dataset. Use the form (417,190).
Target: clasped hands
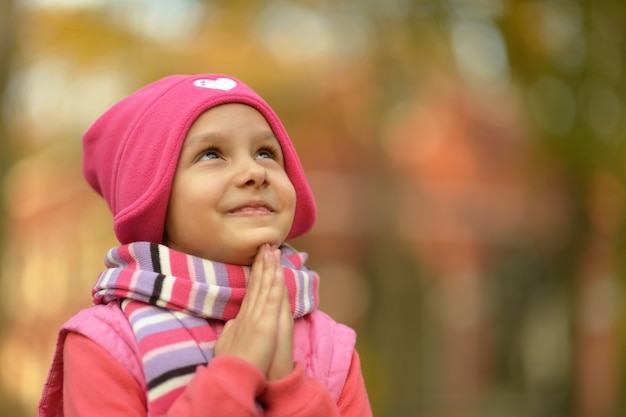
(262,332)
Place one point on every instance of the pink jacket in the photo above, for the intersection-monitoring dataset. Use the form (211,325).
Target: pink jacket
(323,347)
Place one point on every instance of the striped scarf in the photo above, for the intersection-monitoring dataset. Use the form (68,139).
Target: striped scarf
(168,297)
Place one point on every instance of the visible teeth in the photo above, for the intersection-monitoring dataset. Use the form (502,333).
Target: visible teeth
(253,209)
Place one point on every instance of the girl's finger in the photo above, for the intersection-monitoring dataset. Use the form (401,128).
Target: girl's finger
(256,271)
(282,361)
(270,292)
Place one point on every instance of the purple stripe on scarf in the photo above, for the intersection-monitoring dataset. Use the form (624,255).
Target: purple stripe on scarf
(113,277)
(224,290)
(145,287)
(198,269)
(155,328)
(221,274)
(301,279)
(143,256)
(141,313)
(201,292)
(223,295)
(189,320)
(174,358)
(113,258)
(172,322)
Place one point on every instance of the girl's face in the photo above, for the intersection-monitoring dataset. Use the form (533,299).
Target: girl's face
(230,192)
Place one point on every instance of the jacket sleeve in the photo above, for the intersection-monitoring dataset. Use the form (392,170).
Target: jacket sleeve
(297,395)
(354,400)
(95,384)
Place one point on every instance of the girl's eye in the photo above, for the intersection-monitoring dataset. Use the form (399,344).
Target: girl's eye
(209,154)
(268,152)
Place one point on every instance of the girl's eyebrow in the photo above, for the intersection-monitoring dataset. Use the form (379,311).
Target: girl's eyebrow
(266,135)
(200,138)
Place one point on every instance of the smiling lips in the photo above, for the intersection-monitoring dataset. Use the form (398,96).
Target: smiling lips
(252,209)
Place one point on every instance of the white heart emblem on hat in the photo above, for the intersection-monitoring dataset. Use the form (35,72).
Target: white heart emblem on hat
(224,84)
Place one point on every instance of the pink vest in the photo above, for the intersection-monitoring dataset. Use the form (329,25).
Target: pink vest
(324,346)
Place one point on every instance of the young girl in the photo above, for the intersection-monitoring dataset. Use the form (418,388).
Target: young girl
(203,310)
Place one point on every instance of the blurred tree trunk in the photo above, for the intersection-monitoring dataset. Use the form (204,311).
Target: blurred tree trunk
(6,48)
(5,59)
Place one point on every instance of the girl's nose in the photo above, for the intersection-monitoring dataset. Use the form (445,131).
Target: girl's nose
(251,173)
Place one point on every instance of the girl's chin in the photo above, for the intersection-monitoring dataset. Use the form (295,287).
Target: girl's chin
(239,249)
(253,241)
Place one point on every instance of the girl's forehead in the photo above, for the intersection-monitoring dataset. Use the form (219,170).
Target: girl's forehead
(229,120)
(220,137)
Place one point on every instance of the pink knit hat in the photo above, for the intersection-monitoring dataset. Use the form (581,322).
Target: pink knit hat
(130,153)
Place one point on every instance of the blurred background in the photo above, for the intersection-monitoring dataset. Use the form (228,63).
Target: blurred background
(467,157)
